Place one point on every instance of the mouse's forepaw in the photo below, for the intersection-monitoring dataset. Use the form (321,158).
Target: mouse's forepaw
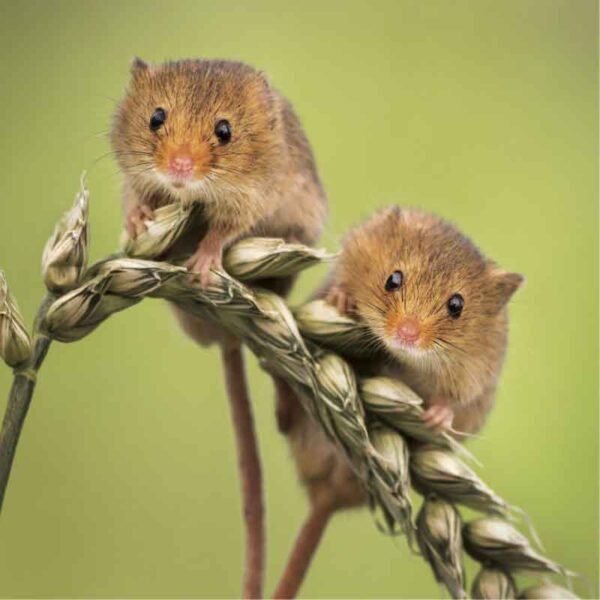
(208,257)
(439,417)
(135,220)
(203,262)
(341,299)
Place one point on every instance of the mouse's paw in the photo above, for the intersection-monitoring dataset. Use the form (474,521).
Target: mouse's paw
(208,257)
(135,219)
(203,264)
(439,417)
(341,299)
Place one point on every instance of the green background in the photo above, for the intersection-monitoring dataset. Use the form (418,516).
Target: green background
(484,112)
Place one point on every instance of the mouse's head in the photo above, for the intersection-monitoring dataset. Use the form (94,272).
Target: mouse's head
(423,288)
(197,128)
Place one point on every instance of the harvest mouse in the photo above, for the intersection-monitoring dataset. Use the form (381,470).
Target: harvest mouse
(216,133)
(435,305)
(436,310)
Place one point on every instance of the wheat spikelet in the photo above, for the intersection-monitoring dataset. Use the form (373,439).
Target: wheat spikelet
(65,254)
(495,541)
(15,344)
(493,584)
(442,472)
(261,258)
(440,540)
(169,223)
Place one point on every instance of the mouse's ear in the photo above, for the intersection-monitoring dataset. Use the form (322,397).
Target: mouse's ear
(265,81)
(138,67)
(270,96)
(505,284)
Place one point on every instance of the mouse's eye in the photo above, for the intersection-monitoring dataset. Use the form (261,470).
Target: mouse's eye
(394,281)
(158,118)
(223,131)
(456,304)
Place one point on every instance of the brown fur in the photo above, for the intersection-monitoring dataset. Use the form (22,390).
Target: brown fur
(251,183)
(457,359)
(264,182)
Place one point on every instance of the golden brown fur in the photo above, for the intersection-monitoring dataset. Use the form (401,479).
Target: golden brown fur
(247,185)
(458,360)
(264,182)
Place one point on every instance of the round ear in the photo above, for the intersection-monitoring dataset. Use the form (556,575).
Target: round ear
(265,81)
(271,98)
(138,67)
(504,284)
(392,214)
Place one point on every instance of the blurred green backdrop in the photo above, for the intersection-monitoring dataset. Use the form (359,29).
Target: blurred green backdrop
(485,112)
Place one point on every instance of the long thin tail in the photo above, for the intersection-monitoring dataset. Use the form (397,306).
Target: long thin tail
(304,549)
(249,469)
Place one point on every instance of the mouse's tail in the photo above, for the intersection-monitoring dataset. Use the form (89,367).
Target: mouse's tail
(249,468)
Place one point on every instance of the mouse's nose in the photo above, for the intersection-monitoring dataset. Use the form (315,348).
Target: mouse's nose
(408,330)
(181,164)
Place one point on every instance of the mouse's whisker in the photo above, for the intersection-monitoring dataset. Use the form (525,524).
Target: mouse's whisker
(378,308)
(101,157)
(447,344)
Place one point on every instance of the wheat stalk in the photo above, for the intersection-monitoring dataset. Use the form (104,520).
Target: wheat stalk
(376,421)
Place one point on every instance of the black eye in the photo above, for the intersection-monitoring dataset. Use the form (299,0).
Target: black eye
(456,304)
(223,131)
(394,281)
(158,118)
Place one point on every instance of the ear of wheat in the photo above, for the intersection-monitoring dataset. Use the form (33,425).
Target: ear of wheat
(391,452)
(15,343)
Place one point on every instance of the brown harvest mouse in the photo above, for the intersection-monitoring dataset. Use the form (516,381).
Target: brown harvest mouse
(437,311)
(218,134)
(435,305)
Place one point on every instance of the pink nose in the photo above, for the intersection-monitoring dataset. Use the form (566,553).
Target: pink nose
(409,331)
(181,165)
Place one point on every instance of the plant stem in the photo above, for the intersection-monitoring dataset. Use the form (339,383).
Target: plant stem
(19,399)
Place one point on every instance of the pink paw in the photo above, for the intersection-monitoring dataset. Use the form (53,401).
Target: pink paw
(203,263)
(208,257)
(134,220)
(438,417)
(341,299)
